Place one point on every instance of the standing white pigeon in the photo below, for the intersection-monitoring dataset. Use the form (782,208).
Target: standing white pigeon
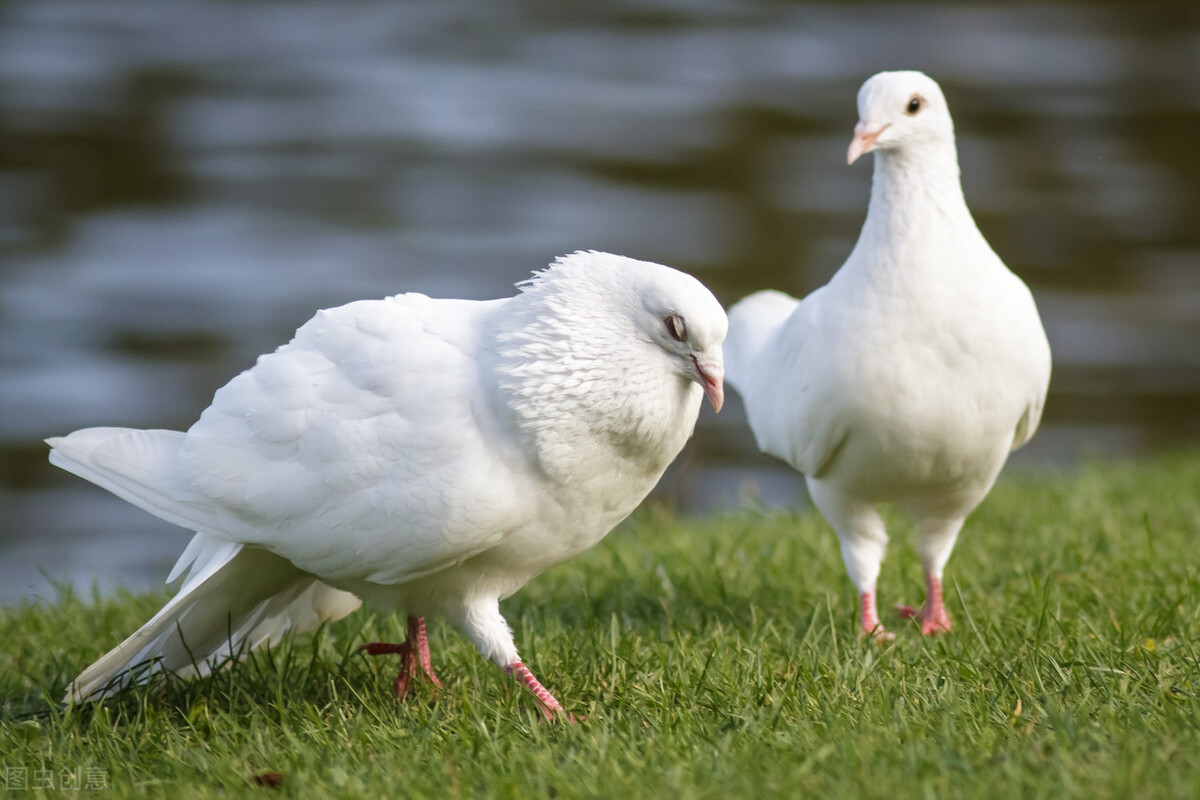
(913,373)
(425,456)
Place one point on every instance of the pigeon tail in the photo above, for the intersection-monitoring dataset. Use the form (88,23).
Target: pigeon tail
(139,466)
(234,599)
(753,323)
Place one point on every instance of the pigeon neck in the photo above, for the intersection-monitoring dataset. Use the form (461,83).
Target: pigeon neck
(913,185)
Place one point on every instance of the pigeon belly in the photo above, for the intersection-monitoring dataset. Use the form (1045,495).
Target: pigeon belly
(929,404)
(548,538)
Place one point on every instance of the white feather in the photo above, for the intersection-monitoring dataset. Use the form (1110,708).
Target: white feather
(429,456)
(910,376)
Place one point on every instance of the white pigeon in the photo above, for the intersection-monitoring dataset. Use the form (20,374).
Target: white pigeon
(911,375)
(422,455)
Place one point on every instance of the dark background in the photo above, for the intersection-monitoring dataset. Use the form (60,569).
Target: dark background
(183,183)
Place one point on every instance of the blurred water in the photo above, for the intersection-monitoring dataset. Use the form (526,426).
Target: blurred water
(182,183)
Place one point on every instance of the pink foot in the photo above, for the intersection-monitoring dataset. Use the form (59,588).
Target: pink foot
(551,709)
(933,616)
(413,652)
(871,626)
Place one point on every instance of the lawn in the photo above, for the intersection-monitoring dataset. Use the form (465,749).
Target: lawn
(711,658)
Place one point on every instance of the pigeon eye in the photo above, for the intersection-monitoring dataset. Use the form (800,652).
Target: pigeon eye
(914,104)
(676,327)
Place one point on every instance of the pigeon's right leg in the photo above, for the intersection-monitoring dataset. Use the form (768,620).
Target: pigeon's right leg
(413,652)
(861,531)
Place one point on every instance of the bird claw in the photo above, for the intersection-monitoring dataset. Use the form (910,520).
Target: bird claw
(408,663)
(551,709)
(869,624)
(413,652)
(933,621)
(877,634)
(561,715)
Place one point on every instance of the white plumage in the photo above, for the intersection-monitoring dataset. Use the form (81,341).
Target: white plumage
(913,373)
(427,456)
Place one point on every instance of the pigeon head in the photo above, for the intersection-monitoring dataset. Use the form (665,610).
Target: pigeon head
(663,314)
(625,313)
(683,319)
(900,111)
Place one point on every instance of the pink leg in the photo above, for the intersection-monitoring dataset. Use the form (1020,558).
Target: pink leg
(423,659)
(871,626)
(413,652)
(550,707)
(933,616)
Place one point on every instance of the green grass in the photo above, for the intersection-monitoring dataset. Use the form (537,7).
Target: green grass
(713,658)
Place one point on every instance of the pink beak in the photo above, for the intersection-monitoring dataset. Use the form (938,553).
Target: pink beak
(712,377)
(863,141)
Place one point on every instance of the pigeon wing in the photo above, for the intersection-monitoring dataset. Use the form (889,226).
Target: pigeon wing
(369,447)
(790,393)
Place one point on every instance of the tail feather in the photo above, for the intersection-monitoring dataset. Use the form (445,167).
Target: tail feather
(138,466)
(753,322)
(234,599)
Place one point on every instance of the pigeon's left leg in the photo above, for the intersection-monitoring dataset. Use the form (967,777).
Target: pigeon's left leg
(413,652)
(935,542)
(932,615)
(491,634)
(550,707)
